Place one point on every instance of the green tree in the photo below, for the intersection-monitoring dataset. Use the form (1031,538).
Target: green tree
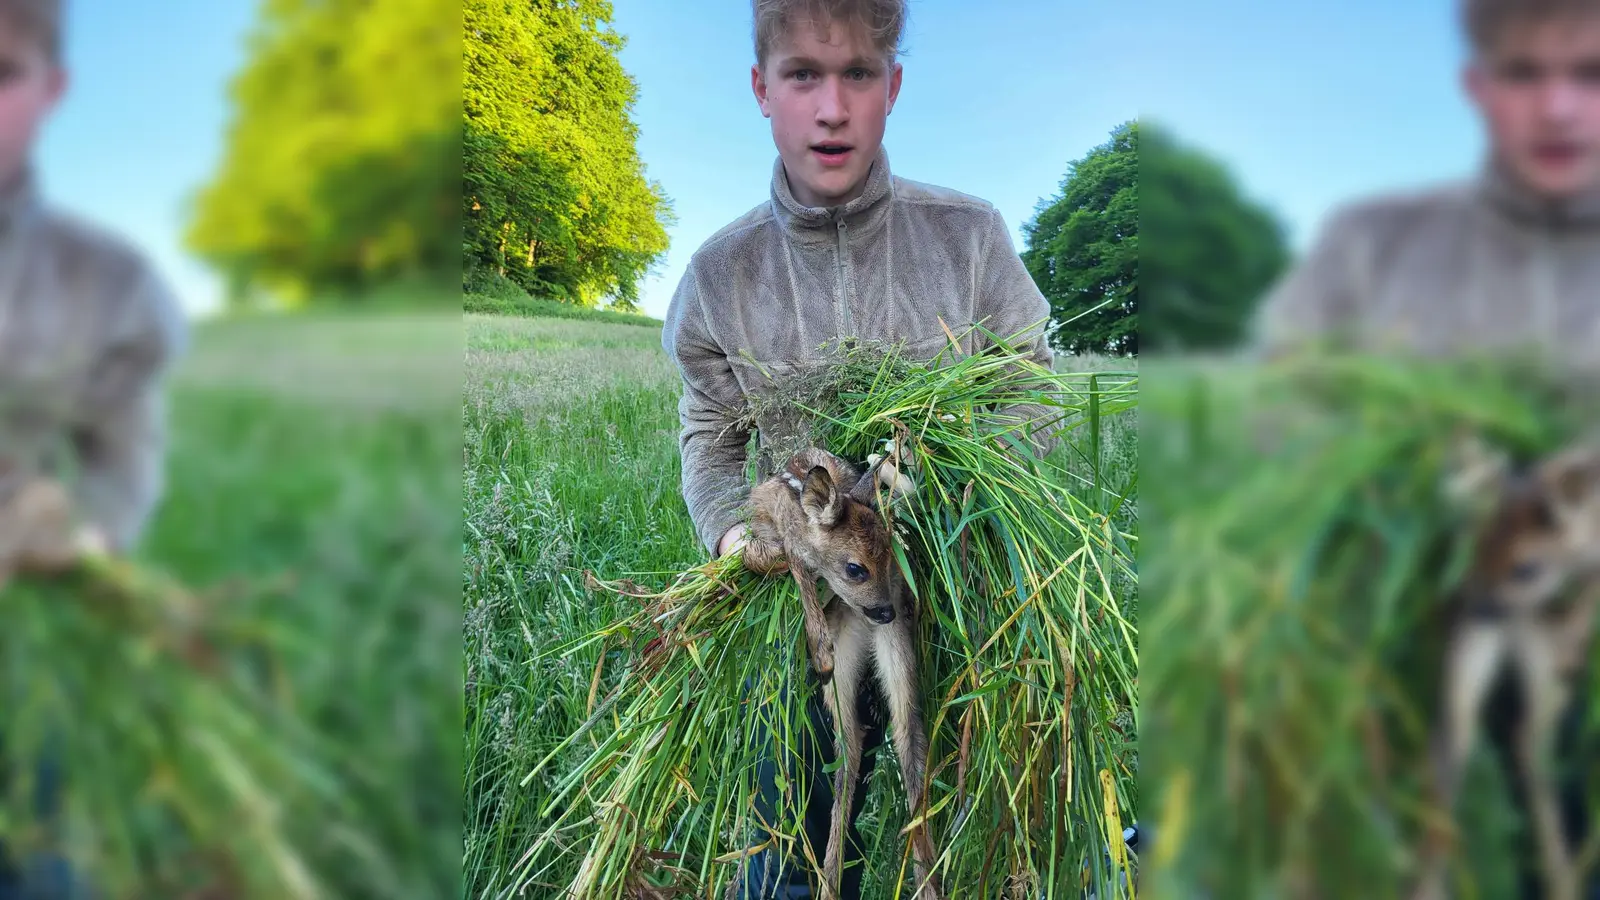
(1082,249)
(1210,253)
(556,197)
(340,169)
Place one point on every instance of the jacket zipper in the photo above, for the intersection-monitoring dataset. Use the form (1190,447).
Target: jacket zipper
(841,308)
(1546,325)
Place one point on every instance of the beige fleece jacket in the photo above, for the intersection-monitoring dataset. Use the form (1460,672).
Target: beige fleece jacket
(1468,267)
(86,332)
(765,294)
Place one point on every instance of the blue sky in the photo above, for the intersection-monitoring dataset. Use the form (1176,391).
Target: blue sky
(986,107)
(142,124)
(1311,103)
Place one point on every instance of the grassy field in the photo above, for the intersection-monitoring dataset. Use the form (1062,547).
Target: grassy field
(515,303)
(312,481)
(571,464)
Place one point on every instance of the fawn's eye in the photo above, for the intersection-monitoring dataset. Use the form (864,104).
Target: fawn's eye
(1525,571)
(855,572)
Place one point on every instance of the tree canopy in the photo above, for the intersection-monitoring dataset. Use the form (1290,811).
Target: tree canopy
(1210,252)
(554,194)
(1082,249)
(340,166)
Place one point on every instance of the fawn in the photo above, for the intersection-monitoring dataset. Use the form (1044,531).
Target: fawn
(820,516)
(1529,602)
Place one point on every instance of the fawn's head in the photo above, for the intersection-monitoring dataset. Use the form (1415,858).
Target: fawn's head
(847,543)
(1538,527)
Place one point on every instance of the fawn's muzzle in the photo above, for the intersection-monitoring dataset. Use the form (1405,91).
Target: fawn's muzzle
(883,615)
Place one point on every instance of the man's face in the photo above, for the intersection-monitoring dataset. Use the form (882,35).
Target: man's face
(828,98)
(30,85)
(1538,90)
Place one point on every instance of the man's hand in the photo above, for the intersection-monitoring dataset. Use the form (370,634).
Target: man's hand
(734,539)
(896,471)
(37,532)
(763,558)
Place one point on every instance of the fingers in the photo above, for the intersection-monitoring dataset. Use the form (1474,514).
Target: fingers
(894,469)
(41,536)
(91,541)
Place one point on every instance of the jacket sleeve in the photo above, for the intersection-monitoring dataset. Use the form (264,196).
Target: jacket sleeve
(1010,305)
(1320,297)
(711,444)
(121,438)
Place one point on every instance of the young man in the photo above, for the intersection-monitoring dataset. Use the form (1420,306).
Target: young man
(86,330)
(1506,262)
(843,249)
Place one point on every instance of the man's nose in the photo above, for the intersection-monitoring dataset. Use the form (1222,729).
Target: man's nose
(830,104)
(1560,98)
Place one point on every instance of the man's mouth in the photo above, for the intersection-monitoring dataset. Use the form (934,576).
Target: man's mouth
(832,154)
(1557,153)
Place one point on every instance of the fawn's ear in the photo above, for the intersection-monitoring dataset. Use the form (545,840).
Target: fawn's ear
(1571,485)
(1574,477)
(820,498)
(865,488)
(1475,475)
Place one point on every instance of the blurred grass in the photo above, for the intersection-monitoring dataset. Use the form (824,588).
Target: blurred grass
(309,493)
(1297,554)
(571,465)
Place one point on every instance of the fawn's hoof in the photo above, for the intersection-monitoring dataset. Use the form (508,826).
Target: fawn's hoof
(822,664)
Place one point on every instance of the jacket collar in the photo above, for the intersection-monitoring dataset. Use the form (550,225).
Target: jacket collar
(1510,198)
(818,223)
(19,203)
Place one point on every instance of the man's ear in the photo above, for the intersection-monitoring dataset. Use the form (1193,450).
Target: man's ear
(758,86)
(894,86)
(56,84)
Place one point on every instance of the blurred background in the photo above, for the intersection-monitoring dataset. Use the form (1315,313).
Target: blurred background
(1297,550)
(293,171)
(1265,117)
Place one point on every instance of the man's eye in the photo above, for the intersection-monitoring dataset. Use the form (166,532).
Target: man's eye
(800,75)
(1519,72)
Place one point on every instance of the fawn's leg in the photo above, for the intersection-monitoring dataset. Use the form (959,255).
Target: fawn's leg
(850,664)
(1472,660)
(895,646)
(1545,696)
(819,636)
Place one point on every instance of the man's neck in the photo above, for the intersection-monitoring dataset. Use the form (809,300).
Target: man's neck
(1510,195)
(17,198)
(817,222)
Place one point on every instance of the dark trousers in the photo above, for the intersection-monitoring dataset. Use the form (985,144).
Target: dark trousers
(41,876)
(1573,756)
(772,875)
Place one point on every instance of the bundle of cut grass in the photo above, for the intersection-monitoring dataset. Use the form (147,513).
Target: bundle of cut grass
(176,770)
(1022,569)
(1300,551)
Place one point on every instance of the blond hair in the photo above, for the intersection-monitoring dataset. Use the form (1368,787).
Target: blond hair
(1487,21)
(884,21)
(38,20)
